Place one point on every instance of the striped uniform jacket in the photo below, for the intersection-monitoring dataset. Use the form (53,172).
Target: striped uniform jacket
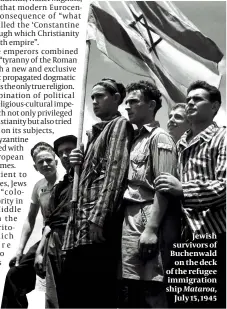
(102,180)
(202,164)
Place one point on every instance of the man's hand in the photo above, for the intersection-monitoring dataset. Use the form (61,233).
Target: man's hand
(39,266)
(148,244)
(46,231)
(76,156)
(15,261)
(167,183)
(96,233)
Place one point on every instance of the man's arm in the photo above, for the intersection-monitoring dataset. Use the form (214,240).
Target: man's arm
(116,170)
(208,193)
(163,152)
(149,238)
(198,193)
(26,232)
(38,264)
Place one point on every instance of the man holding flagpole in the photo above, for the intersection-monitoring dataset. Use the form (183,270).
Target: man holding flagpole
(92,238)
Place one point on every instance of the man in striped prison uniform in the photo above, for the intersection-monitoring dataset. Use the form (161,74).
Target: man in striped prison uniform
(92,238)
(202,172)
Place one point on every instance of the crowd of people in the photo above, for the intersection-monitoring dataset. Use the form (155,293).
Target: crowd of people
(140,190)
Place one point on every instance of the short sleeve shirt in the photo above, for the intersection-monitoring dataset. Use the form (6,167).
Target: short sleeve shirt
(153,152)
(41,196)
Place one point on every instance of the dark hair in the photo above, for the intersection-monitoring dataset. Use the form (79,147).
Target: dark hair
(41,146)
(214,93)
(64,139)
(113,87)
(177,105)
(149,91)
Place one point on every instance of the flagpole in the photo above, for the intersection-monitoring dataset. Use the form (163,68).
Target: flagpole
(81,121)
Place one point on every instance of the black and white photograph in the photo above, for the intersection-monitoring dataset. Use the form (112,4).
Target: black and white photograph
(112,154)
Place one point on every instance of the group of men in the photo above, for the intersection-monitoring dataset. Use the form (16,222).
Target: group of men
(137,189)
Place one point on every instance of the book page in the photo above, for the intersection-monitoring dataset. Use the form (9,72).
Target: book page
(45,77)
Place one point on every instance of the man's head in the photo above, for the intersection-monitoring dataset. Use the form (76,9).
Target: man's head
(63,147)
(107,95)
(44,157)
(178,122)
(143,100)
(203,102)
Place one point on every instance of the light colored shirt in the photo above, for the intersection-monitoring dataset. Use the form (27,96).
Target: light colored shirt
(41,196)
(153,152)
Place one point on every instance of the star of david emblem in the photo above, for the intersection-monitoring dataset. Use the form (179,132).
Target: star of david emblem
(142,20)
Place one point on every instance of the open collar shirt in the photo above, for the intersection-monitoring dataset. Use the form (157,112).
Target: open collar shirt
(153,152)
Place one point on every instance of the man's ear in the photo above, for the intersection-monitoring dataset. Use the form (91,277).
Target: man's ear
(216,106)
(152,104)
(56,162)
(35,167)
(117,97)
